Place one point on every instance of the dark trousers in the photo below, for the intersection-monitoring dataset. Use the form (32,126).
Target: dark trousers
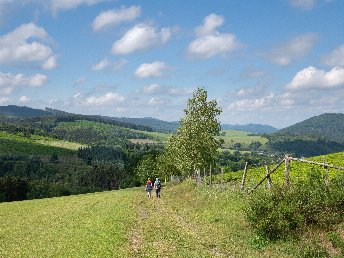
(157,191)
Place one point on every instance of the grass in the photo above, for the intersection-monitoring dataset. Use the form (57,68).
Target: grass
(186,222)
(91,225)
(232,137)
(17,144)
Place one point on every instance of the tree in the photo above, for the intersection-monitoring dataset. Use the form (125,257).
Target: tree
(194,145)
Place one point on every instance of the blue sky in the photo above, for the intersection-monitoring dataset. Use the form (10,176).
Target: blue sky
(273,62)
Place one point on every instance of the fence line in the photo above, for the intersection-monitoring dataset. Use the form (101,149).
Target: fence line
(286,162)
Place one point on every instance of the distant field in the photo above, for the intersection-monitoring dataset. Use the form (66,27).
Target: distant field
(159,137)
(232,137)
(16,144)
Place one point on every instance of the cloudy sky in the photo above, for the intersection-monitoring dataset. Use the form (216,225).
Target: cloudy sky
(273,62)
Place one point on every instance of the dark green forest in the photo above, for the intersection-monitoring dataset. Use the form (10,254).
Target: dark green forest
(30,170)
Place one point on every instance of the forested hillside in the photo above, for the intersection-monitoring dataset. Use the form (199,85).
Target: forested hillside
(63,154)
(328,126)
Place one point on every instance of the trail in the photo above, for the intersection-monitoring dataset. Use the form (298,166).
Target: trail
(161,232)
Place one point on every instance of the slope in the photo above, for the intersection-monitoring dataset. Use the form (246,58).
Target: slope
(329,126)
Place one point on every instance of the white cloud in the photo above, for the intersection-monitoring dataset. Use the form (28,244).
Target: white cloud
(250,91)
(210,23)
(152,89)
(295,48)
(155,69)
(115,17)
(107,99)
(251,104)
(312,78)
(156,101)
(10,82)
(140,37)
(4,100)
(20,46)
(57,5)
(103,64)
(24,99)
(210,42)
(180,91)
(106,64)
(336,57)
(50,63)
(303,4)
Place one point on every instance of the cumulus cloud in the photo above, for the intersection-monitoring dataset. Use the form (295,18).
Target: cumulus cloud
(20,46)
(24,99)
(209,41)
(210,23)
(11,82)
(106,64)
(155,69)
(250,91)
(303,4)
(336,57)
(115,17)
(251,104)
(157,101)
(313,78)
(293,49)
(57,5)
(107,99)
(152,89)
(140,37)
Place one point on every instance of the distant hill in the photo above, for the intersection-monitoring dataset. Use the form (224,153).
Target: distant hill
(146,123)
(328,126)
(22,112)
(156,124)
(251,128)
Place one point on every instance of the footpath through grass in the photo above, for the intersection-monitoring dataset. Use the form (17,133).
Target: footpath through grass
(186,222)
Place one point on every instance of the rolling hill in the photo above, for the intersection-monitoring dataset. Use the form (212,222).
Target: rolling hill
(329,126)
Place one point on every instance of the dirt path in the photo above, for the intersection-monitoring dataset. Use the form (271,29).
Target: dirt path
(161,232)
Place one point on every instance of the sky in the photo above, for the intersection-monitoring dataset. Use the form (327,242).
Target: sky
(274,62)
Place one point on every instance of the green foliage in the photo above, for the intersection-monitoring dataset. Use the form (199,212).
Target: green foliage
(89,132)
(13,189)
(328,126)
(283,211)
(336,240)
(194,145)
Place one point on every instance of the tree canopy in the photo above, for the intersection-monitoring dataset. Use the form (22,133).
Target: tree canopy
(194,145)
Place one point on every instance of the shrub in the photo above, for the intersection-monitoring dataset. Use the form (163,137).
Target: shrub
(282,211)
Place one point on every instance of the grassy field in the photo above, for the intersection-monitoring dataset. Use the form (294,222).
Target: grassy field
(186,222)
(35,145)
(232,137)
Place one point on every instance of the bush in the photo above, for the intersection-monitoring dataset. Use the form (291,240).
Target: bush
(283,211)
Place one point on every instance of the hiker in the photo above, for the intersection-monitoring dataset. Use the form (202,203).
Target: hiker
(149,187)
(157,186)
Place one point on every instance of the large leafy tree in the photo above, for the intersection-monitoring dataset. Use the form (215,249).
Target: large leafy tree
(194,145)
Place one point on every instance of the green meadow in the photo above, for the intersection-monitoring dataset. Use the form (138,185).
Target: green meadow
(188,221)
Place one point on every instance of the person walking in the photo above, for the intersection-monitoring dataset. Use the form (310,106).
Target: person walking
(149,187)
(157,186)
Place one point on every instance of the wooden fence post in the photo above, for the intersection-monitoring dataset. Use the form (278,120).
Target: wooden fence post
(286,162)
(211,176)
(243,177)
(204,177)
(268,177)
(325,171)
